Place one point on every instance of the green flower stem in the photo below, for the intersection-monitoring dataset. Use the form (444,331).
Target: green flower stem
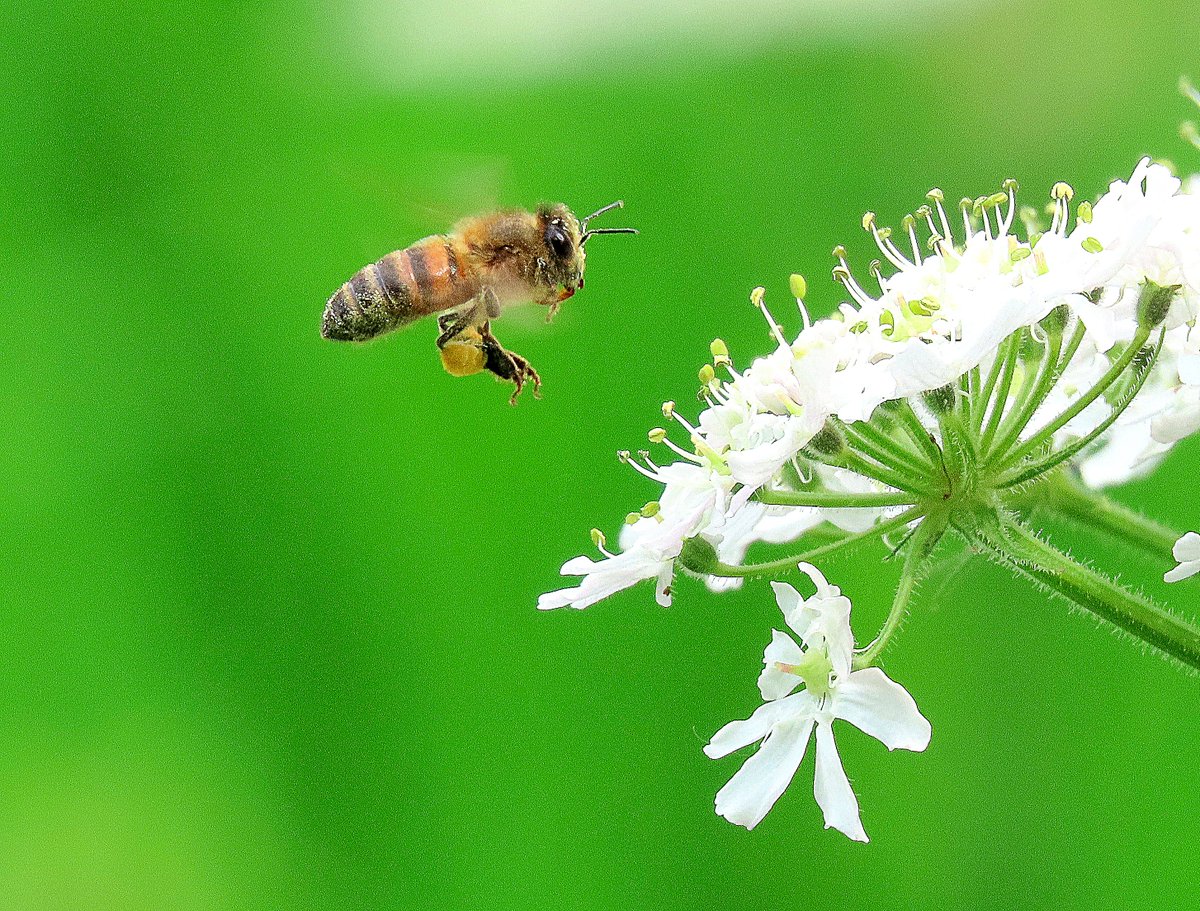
(855,462)
(866,446)
(832,499)
(920,548)
(886,449)
(1023,551)
(1010,356)
(1067,498)
(785,564)
(967,384)
(1047,387)
(989,386)
(959,444)
(1069,452)
(1018,418)
(918,433)
(1046,434)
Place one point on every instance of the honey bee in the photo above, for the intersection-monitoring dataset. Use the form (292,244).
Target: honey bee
(486,263)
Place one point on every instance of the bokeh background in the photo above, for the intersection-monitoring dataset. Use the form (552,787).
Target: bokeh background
(269,637)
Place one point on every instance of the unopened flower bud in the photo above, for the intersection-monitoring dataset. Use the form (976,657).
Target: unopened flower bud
(1056,319)
(1154,302)
(698,555)
(827,441)
(940,400)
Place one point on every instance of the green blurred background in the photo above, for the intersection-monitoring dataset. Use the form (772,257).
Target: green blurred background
(269,636)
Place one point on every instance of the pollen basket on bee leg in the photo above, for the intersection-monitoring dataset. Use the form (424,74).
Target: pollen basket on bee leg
(464,355)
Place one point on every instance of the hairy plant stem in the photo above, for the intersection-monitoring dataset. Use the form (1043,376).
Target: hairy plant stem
(1016,546)
(1046,434)
(1018,418)
(1055,459)
(918,433)
(920,548)
(1062,495)
(1010,355)
(885,448)
(785,564)
(832,499)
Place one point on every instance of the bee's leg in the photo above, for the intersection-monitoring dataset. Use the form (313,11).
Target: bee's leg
(453,324)
(486,307)
(508,365)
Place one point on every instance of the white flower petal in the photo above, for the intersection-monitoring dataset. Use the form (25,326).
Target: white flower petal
(774,683)
(603,578)
(877,705)
(738,734)
(786,597)
(1187,552)
(753,790)
(662,586)
(797,611)
(1187,548)
(1181,572)
(832,789)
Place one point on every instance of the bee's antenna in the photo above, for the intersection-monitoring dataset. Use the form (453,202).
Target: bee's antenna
(588,234)
(619,204)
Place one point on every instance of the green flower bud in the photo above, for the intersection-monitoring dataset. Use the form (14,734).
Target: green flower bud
(828,441)
(1056,319)
(940,400)
(699,556)
(1154,302)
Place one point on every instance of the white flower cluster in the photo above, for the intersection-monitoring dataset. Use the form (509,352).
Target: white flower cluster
(937,317)
(1106,295)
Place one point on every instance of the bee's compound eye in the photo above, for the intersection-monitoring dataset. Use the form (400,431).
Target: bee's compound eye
(558,241)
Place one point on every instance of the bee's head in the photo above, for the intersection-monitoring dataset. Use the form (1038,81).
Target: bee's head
(564,237)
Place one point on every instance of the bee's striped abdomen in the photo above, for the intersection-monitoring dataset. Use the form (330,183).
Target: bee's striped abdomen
(403,286)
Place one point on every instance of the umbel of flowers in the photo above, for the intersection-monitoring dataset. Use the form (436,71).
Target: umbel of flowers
(999,365)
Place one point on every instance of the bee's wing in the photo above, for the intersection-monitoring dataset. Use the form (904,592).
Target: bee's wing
(443,189)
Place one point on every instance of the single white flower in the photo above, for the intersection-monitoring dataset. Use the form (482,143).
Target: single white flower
(1187,555)
(867,698)
(693,500)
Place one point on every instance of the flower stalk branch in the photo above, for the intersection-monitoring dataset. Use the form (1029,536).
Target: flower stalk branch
(1063,495)
(1018,547)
